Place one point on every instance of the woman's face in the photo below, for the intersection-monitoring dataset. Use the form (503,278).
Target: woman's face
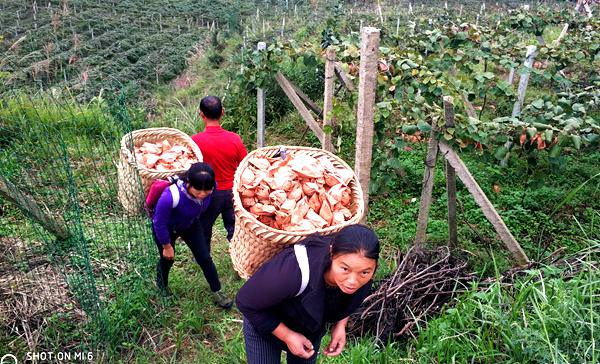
(350,271)
(198,194)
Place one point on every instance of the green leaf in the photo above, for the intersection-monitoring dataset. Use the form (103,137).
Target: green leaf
(541,126)
(578,108)
(409,129)
(555,151)
(531,132)
(424,127)
(462,35)
(538,104)
(564,101)
(488,75)
(384,105)
(395,163)
(592,138)
(501,153)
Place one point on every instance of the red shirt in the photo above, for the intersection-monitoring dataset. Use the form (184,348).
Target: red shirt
(223,150)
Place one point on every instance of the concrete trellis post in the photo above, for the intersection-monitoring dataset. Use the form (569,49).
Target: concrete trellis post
(366,102)
(426,193)
(450,177)
(260,107)
(328,97)
(524,80)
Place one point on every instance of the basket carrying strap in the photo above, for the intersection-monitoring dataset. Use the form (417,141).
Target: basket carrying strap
(302,259)
(174,194)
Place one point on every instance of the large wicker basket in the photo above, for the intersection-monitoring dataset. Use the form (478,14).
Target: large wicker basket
(134,179)
(253,242)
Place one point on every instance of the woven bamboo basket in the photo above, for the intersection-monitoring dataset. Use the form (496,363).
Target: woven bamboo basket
(253,242)
(135,179)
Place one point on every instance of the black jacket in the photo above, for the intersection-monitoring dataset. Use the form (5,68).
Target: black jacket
(268,297)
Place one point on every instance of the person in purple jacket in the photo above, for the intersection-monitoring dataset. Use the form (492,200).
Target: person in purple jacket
(178,213)
(291,298)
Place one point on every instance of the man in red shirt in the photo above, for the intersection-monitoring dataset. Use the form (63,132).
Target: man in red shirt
(223,150)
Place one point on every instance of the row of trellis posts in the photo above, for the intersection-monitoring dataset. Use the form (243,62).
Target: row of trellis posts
(365,131)
(364,139)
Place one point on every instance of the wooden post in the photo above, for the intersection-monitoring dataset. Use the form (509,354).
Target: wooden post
(260,108)
(29,207)
(365,114)
(486,206)
(450,177)
(343,77)
(287,87)
(309,103)
(428,179)
(469,107)
(328,97)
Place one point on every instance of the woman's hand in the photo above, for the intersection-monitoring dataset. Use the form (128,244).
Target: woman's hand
(297,343)
(338,338)
(168,251)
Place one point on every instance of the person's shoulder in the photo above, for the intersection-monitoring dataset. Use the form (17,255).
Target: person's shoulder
(233,134)
(281,264)
(198,136)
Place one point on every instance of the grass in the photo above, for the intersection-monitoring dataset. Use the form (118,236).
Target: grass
(543,318)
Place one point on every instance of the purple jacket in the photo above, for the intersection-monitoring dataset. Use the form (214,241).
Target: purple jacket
(168,219)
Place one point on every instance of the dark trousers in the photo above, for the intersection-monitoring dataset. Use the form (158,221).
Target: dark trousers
(267,350)
(200,247)
(221,203)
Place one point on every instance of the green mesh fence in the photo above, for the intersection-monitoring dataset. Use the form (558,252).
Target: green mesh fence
(70,258)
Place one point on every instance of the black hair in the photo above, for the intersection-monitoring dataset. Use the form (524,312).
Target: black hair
(200,176)
(211,107)
(355,239)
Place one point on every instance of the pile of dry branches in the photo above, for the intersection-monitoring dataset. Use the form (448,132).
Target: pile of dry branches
(421,284)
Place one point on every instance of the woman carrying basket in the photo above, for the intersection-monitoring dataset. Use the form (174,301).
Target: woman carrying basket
(178,213)
(288,302)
